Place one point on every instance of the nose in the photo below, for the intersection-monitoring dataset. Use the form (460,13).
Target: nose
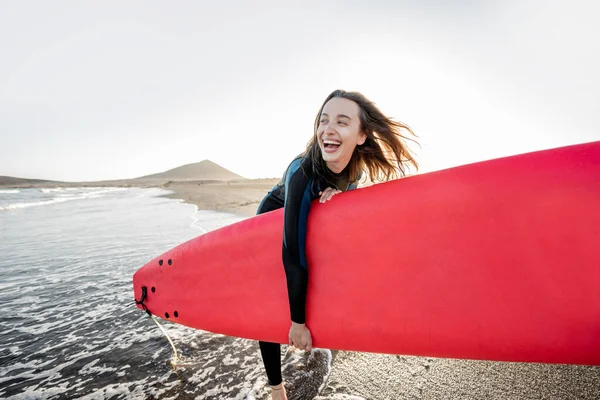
(329,128)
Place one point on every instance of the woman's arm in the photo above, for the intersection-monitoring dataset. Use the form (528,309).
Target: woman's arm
(296,207)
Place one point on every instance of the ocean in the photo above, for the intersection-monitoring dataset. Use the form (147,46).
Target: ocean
(69,327)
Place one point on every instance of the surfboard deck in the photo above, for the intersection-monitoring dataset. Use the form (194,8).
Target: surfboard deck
(495,260)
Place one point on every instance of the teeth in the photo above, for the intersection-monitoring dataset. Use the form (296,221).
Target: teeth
(331,142)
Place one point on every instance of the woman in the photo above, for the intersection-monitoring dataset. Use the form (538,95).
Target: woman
(351,136)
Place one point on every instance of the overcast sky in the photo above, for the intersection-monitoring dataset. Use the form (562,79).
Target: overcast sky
(120,89)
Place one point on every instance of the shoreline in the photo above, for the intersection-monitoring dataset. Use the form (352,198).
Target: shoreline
(236,197)
(240,197)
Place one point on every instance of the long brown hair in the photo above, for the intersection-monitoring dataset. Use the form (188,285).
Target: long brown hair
(383,156)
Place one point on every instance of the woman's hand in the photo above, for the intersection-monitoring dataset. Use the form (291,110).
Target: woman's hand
(300,337)
(327,194)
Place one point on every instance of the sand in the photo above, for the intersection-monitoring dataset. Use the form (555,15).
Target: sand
(240,197)
(357,375)
(382,376)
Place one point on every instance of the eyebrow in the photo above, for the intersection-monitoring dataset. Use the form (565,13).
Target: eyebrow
(340,116)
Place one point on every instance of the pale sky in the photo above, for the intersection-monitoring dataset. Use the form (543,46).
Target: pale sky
(120,89)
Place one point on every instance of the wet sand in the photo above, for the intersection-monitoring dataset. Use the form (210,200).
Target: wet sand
(382,376)
(238,197)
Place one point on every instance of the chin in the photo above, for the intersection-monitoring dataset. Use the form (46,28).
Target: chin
(327,157)
(331,157)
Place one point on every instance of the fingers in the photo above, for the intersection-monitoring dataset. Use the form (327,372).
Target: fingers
(304,342)
(300,339)
(327,194)
(323,195)
(300,345)
(332,193)
(307,346)
(290,340)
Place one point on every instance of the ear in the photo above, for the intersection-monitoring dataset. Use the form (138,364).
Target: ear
(362,137)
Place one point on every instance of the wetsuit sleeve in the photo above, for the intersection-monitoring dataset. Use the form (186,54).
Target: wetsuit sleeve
(296,207)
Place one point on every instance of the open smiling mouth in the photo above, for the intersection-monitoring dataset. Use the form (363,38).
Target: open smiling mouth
(331,145)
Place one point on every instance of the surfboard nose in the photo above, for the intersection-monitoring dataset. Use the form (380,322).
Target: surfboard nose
(149,289)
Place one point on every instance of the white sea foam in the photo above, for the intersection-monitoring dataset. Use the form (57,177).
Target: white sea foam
(10,191)
(329,356)
(61,198)
(17,206)
(140,389)
(91,368)
(51,190)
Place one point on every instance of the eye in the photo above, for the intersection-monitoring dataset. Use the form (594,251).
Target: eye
(323,121)
(342,123)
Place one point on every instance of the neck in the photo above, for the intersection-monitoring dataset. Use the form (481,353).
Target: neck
(336,167)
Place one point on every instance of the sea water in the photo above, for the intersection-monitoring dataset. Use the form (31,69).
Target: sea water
(68,324)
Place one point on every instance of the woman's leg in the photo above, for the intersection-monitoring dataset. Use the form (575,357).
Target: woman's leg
(271,355)
(271,352)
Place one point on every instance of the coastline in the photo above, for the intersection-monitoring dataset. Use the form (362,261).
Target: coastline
(241,197)
(236,197)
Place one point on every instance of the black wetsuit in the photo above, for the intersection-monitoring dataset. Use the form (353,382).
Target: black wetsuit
(294,193)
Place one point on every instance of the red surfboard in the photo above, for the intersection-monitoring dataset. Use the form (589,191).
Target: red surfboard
(496,260)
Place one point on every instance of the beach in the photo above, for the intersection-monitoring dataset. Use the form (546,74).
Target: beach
(357,375)
(241,197)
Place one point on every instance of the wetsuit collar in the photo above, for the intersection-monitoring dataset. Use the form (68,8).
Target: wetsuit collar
(342,173)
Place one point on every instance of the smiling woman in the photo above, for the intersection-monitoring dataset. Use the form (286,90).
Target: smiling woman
(352,122)
(351,137)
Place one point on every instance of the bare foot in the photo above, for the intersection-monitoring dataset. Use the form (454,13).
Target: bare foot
(278,392)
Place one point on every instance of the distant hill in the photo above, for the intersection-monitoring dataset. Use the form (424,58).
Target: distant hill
(201,171)
(10,181)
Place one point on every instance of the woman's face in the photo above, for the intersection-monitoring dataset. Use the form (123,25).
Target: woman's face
(339,132)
